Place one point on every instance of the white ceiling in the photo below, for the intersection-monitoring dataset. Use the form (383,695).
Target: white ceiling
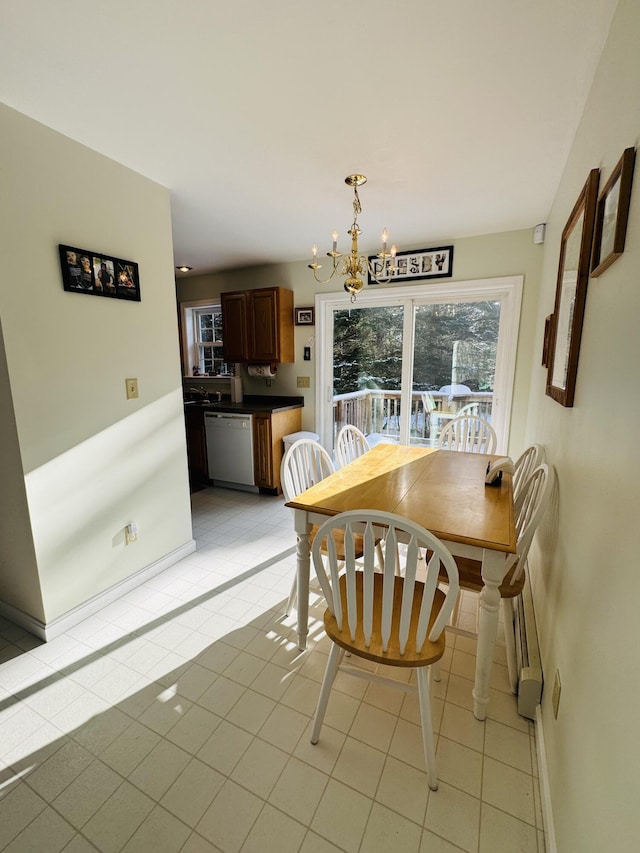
(461,113)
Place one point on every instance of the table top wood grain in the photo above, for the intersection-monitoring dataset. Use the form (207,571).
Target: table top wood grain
(442,490)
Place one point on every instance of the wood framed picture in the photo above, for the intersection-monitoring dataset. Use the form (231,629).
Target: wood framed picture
(304,316)
(545,343)
(612,213)
(91,272)
(565,328)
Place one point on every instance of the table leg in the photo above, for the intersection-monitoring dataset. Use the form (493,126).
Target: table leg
(303,568)
(493,571)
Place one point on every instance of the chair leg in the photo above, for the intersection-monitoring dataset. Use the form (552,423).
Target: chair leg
(292,601)
(427,726)
(335,656)
(455,613)
(293,596)
(506,605)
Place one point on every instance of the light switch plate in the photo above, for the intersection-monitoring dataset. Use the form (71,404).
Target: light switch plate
(304,382)
(132,389)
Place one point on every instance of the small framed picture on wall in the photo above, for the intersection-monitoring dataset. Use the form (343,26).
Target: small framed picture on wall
(304,316)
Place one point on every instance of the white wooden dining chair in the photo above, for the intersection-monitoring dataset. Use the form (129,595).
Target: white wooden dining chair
(306,463)
(469,433)
(390,620)
(350,444)
(469,409)
(529,508)
(525,465)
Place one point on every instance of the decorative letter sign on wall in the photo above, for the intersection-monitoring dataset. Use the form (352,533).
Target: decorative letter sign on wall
(415,266)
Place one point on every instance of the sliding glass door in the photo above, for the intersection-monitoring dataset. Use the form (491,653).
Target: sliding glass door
(367,368)
(401,362)
(454,364)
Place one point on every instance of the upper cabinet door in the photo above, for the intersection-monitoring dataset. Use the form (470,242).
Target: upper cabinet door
(257,325)
(263,327)
(234,326)
(270,324)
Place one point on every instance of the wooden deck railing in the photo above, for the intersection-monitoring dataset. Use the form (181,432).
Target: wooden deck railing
(378,412)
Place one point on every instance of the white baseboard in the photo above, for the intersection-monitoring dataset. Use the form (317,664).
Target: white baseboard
(545,791)
(50,630)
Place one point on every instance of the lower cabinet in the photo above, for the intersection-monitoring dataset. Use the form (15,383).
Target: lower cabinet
(269,428)
(196,447)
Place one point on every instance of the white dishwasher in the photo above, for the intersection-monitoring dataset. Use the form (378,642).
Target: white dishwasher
(230,449)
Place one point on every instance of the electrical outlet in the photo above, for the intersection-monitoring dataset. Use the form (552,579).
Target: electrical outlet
(555,698)
(132,389)
(304,382)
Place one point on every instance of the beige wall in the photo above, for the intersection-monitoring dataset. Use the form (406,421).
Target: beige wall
(488,256)
(86,460)
(585,569)
(20,586)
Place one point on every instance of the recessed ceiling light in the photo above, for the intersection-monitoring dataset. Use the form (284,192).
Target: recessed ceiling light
(184,269)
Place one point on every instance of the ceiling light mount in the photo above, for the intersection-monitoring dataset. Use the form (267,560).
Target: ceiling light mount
(354,265)
(184,269)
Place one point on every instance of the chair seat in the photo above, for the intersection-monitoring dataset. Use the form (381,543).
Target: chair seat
(470,575)
(412,657)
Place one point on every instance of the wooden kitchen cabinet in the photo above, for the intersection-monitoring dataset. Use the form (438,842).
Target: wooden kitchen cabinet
(196,447)
(234,326)
(257,325)
(269,428)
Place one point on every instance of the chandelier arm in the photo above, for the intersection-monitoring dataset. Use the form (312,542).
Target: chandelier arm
(378,278)
(322,280)
(315,267)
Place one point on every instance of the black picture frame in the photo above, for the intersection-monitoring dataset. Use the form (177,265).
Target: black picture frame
(97,274)
(612,213)
(565,327)
(414,265)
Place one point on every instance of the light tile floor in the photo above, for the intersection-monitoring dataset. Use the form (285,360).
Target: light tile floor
(178,719)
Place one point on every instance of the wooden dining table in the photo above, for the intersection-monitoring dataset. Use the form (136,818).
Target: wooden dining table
(442,490)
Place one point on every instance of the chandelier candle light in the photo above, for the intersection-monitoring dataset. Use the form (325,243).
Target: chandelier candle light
(354,264)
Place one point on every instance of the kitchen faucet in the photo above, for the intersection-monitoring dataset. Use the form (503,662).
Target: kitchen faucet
(206,395)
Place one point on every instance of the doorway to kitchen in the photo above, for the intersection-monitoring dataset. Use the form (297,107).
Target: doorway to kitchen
(400,362)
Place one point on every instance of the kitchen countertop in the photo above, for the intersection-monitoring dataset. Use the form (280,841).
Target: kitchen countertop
(250,404)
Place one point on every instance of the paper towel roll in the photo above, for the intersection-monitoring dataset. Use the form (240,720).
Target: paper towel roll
(264,371)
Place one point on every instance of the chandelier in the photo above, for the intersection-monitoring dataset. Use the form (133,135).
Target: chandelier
(354,265)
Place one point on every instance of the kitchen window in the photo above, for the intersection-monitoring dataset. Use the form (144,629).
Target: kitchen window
(201,328)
